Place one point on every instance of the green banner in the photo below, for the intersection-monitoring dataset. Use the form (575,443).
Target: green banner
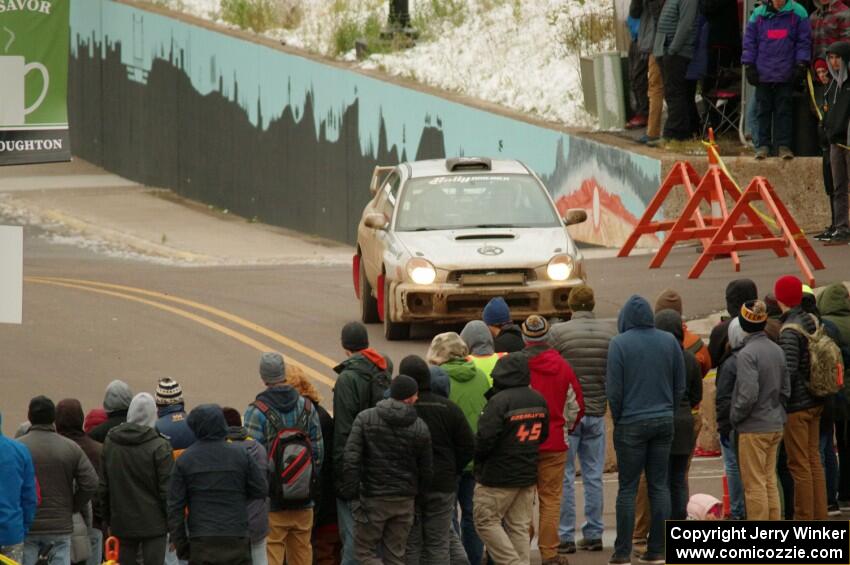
(34,40)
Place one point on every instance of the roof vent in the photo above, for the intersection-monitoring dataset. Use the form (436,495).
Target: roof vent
(456,164)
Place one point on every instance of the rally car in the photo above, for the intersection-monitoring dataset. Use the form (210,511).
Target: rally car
(440,238)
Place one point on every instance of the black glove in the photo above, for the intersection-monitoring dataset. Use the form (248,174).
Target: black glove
(799,74)
(752,75)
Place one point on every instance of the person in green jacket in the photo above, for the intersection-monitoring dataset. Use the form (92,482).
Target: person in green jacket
(468,386)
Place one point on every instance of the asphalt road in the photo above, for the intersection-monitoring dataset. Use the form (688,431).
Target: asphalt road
(89,319)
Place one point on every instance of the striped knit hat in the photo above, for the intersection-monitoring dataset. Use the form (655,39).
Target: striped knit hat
(168,392)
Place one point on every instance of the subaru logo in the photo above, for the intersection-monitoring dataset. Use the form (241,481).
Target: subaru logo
(490,250)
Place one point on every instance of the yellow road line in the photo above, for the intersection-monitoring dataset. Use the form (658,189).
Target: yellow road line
(238,336)
(283,340)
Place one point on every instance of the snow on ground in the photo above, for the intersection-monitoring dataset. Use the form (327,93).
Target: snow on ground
(522,54)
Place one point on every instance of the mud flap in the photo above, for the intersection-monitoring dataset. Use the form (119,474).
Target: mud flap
(355,272)
(381,297)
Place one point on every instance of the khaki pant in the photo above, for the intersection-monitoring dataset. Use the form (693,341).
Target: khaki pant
(289,537)
(757,462)
(802,443)
(656,98)
(550,484)
(503,520)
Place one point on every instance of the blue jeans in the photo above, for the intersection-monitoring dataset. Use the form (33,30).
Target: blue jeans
(830,466)
(733,478)
(471,542)
(96,542)
(642,446)
(346,531)
(258,553)
(587,442)
(751,121)
(60,554)
(774,111)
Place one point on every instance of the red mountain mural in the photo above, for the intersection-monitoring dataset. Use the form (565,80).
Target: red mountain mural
(608,222)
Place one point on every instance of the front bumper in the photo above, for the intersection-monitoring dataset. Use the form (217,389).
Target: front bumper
(447,302)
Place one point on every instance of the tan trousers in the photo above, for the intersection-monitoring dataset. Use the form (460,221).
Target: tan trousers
(289,537)
(802,443)
(757,462)
(503,519)
(550,484)
(656,98)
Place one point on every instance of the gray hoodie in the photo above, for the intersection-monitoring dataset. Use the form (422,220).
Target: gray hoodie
(478,338)
(142,410)
(762,387)
(118,396)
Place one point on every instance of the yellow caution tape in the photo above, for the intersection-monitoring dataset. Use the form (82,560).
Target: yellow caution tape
(812,95)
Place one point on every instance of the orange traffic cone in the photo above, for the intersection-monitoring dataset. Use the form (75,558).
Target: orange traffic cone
(727,507)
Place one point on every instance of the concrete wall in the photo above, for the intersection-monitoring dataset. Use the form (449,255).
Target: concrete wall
(290,139)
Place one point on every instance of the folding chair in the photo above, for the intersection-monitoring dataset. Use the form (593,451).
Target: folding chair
(723,100)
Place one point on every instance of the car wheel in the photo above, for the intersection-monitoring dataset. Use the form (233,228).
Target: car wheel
(368,303)
(393,331)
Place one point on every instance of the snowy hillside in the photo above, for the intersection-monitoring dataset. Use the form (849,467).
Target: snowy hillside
(522,54)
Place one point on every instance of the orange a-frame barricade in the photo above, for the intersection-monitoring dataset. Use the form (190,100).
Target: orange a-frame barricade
(732,237)
(682,174)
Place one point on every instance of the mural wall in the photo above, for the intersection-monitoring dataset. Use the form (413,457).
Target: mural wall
(291,141)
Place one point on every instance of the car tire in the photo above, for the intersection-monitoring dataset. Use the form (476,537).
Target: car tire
(393,331)
(368,303)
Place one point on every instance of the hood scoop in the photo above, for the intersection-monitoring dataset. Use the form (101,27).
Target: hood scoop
(472,236)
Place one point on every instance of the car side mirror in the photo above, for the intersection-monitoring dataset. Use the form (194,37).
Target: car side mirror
(376,221)
(575,216)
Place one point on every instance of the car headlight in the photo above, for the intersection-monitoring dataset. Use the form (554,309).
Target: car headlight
(560,268)
(421,271)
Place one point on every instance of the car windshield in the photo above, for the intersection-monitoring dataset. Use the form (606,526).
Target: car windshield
(474,201)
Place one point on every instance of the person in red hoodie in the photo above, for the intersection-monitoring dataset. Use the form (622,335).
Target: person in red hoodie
(555,380)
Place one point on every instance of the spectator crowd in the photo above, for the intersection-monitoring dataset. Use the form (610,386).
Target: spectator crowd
(793,53)
(444,462)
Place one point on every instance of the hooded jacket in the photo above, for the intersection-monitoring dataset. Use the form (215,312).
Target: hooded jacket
(17,491)
(676,32)
(645,376)
(116,402)
(258,509)
(556,382)
(69,423)
(65,476)
(727,374)
(289,405)
(513,426)
(796,349)
(467,388)
(482,351)
(352,395)
(836,98)
(451,439)
(829,23)
(776,41)
(213,480)
(583,343)
(683,421)
(137,466)
(737,293)
(171,424)
(388,453)
(509,339)
(834,305)
(761,387)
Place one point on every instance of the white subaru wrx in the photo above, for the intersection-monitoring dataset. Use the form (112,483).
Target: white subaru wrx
(440,238)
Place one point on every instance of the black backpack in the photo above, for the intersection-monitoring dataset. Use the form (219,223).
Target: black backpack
(292,475)
(376,391)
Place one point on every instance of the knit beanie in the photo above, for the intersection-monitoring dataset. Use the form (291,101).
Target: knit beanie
(42,411)
(788,290)
(497,312)
(168,392)
(272,368)
(820,64)
(535,329)
(354,337)
(403,387)
(581,299)
(415,367)
(232,417)
(753,316)
(669,300)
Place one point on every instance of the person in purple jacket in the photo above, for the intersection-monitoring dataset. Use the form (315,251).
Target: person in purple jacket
(777,51)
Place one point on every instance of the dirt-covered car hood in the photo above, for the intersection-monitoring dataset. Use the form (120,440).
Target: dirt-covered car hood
(487,248)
